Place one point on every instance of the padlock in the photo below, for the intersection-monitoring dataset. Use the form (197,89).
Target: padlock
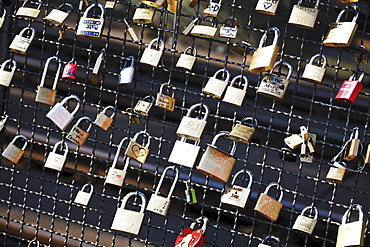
(235,95)
(274,86)
(217,163)
(144,105)
(190,26)
(193,3)
(62,32)
(304,223)
(336,173)
(110,4)
(353,233)
(91,28)
(287,155)
(102,120)
(310,149)
(267,6)
(131,31)
(70,71)
(367,158)
(56,161)
(127,72)
(293,141)
(21,44)
(77,135)
(352,145)
(191,197)
(192,128)
(164,101)
(241,47)
(143,15)
(131,117)
(347,1)
(186,61)
(3,121)
(35,242)
(136,151)
(266,239)
(267,206)
(193,238)
(313,72)
(173,6)
(57,16)
(152,56)
(243,133)
(46,95)
(154,3)
(265,56)
(350,89)
(304,17)
(126,220)
(116,176)
(159,204)
(14,153)
(203,30)
(83,196)
(236,195)
(340,33)
(97,67)
(184,153)
(2,18)
(60,115)
(28,12)
(229,31)
(5,75)
(307,147)
(361,56)
(216,87)
(212,8)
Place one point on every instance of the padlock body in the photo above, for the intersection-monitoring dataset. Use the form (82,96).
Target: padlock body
(82,198)
(234,96)
(304,224)
(268,207)
(2,19)
(303,16)
(184,154)
(216,164)
(314,73)
(60,116)
(351,234)
(6,77)
(13,153)
(20,44)
(273,87)
(348,91)
(158,204)
(143,107)
(151,57)
(242,133)
(133,119)
(45,95)
(204,31)
(235,195)
(90,28)
(137,152)
(336,174)
(103,121)
(293,141)
(186,61)
(126,75)
(165,102)
(28,12)
(77,136)
(127,221)
(115,176)
(57,16)
(191,238)
(69,72)
(191,128)
(351,150)
(55,161)
(212,9)
(191,197)
(340,34)
(267,6)
(154,3)
(264,59)
(215,87)
(228,32)
(142,15)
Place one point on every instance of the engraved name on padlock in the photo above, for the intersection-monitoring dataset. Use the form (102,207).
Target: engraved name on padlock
(350,89)
(2,18)
(143,15)
(126,74)
(313,72)
(304,17)
(152,56)
(77,135)
(194,237)
(243,133)
(336,173)
(29,12)
(229,31)
(70,71)
(83,197)
(212,8)
(116,176)
(304,223)
(267,6)
(57,16)
(102,120)
(144,105)
(21,44)
(216,87)
(186,61)
(91,28)
(267,206)
(267,239)
(56,161)
(203,30)
(236,195)
(126,220)
(5,75)
(13,152)
(136,151)
(164,101)
(60,115)
(235,95)
(184,153)
(159,204)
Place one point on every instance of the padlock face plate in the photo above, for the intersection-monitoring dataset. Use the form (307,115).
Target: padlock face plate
(45,95)
(348,91)
(13,153)
(60,116)
(103,121)
(158,204)
(28,12)
(143,107)
(204,31)
(82,198)
(336,174)
(90,28)
(191,128)
(234,96)
(228,32)
(314,73)
(143,16)
(186,61)
(184,153)
(77,136)
(137,152)
(351,234)
(242,133)
(215,87)
(127,221)
(267,7)
(235,195)
(55,161)
(340,34)
(273,87)
(5,77)
(57,16)
(293,141)
(151,57)
(304,17)
(268,207)
(264,59)
(126,75)
(20,44)
(165,102)
(115,176)
(304,224)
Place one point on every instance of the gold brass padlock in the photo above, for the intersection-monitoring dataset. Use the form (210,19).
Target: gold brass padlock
(235,95)
(304,16)
(56,161)
(77,135)
(154,3)
(336,173)
(243,133)
(267,206)
(229,31)
(216,87)
(304,223)
(143,15)
(144,105)
(152,56)
(102,120)
(116,176)
(313,72)
(267,6)
(362,56)
(164,101)
(203,30)
(173,6)
(131,117)
(28,12)
(340,33)
(347,1)
(212,8)
(352,145)
(91,28)
(267,239)
(21,44)
(84,195)
(241,47)
(46,95)
(57,16)
(136,151)
(2,18)
(12,152)
(265,56)
(5,75)
(186,61)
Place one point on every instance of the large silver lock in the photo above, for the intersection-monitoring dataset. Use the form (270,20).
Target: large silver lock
(56,161)
(159,204)
(126,220)
(83,196)
(203,30)
(313,72)
(58,16)
(212,8)
(77,135)
(216,87)
(136,151)
(21,44)
(2,18)
(143,15)
(152,56)
(5,75)
(13,152)
(304,16)
(164,101)
(192,128)
(184,153)
(274,86)
(127,73)
(267,6)
(304,223)
(267,239)
(91,28)
(340,33)
(28,12)
(144,105)
(186,61)
(46,95)
(243,133)
(102,120)
(229,31)
(236,195)
(116,176)
(234,95)
(60,115)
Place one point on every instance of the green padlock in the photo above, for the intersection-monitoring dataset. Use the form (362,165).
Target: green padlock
(191,197)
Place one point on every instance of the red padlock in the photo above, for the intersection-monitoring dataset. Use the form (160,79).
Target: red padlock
(190,238)
(70,71)
(350,89)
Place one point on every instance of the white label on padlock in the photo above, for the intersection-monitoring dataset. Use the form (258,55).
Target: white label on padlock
(60,116)
(5,77)
(235,195)
(127,221)
(115,176)
(215,87)
(228,32)
(55,161)
(184,154)
(82,198)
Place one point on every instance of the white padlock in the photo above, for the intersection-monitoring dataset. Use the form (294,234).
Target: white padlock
(236,195)
(184,153)
(56,161)
(116,176)
(14,153)
(60,115)
(83,197)
(5,75)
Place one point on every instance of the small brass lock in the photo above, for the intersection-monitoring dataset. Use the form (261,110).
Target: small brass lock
(267,6)
(56,161)
(91,28)
(203,30)
(350,89)
(362,56)
(143,15)
(304,223)
(12,152)
(126,74)
(21,44)
(267,239)
(77,135)
(229,31)
(144,105)
(28,12)
(236,195)
(313,72)
(336,173)
(267,206)
(5,75)
(116,176)
(131,117)
(164,101)
(186,61)
(212,8)
(243,133)
(152,56)
(136,151)
(304,17)
(235,95)
(352,145)
(216,87)
(84,195)
(102,120)
(58,16)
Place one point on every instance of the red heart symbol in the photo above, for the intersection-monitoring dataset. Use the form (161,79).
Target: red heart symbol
(118,176)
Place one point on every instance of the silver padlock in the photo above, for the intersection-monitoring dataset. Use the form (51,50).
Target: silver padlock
(131,31)
(236,195)
(5,75)
(216,87)
(46,95)
(234,95)
(110,4)
(143,15)
(212,8)
(2,18)
(152,56)
(136,151)
(190,26)
(184,153)
(192,128)
(186,61)
(127,72)
(267,6)
(91,28)
(97,67)
(165,101)
(21,44)
(56,161)
(229,31)
(58,16)
(304,17)
(313,72)
(304,223)
(14,153)
(273,86)
(102,120)
(28,12)
(159,204)
(60,115)
(83,196)
(77,135)
(204,30)
(266,240)
(243,133)
(144,105)
(126,220)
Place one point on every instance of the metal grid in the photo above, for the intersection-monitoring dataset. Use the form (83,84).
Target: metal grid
(38,202)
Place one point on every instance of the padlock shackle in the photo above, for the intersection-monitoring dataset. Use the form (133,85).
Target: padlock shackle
(242,78)
(33,32)
(22,137)
(320,56)
(119,148)
(200,105)
(162,178)
(72,96)
(357,207)
(95,5)
(214,20)
(160,43)
(248,172)
(3,121)
(233,19)
(56,79)
(60,143)
(183,139)
(87,119)
(277,187)
(223,74)
(4,13)
(201,218)
(13,65)
(151,97)
(290,68)
(264,36)
(277,239)
(169,85)
(34,241)
(355,8)
(73,61)
(192,49)
(224,133)
(38,5)
(353,77)
(361,47)
(316,5)
(85,186)
(144,133)
(107,108)
(69,5)
(354,133)
(134,193)
(312,208)
(253,120)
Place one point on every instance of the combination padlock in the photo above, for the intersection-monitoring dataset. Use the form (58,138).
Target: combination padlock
(56,161)
(235,95)
(152,56)
(70,71)
(186,61)
(60,115)
(28,12)
(144,105)
(58,16)
(136,151)
(267,6)
(350,89)
(126,75)
(216,87)
(304,223)
(236,195)
(313,72)
(102,120)
(190,194)
(14,153)
(91,28)
(304,17)
(5,75)
(84,195)
(204,30)
(116,176)
(336,172)
(267,206)
(193,238)
(242,132)
(231,30)
(21,44)
(143,15)
(212,8)
(77,135)
(164,101)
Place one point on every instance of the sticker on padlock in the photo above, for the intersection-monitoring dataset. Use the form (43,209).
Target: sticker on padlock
(229,31)
(267,206)
(304,223)
(184,153)
(84,195)
(95,75)
(58,16)
(350,89)
(116,176)
(152,56)
(304,17)
(266,241)
(190,195)
(212,8)
(131,31)
(77,135)
(235,95)
(143,15)
(144,105)
(267,6)
(28,12)
(204,30)
(131,117)
(91,28)
(70,71)
(60,115)
(2,18)
(5,75)
(243,133)
(164,101)
(236,195)
(193,238)
(56,161)
(21,44)
(126,74)
(14,153)
(186,61)
(159,204)
(136,151)
(102,120)
(313,72)
(126,220)
(216,87)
